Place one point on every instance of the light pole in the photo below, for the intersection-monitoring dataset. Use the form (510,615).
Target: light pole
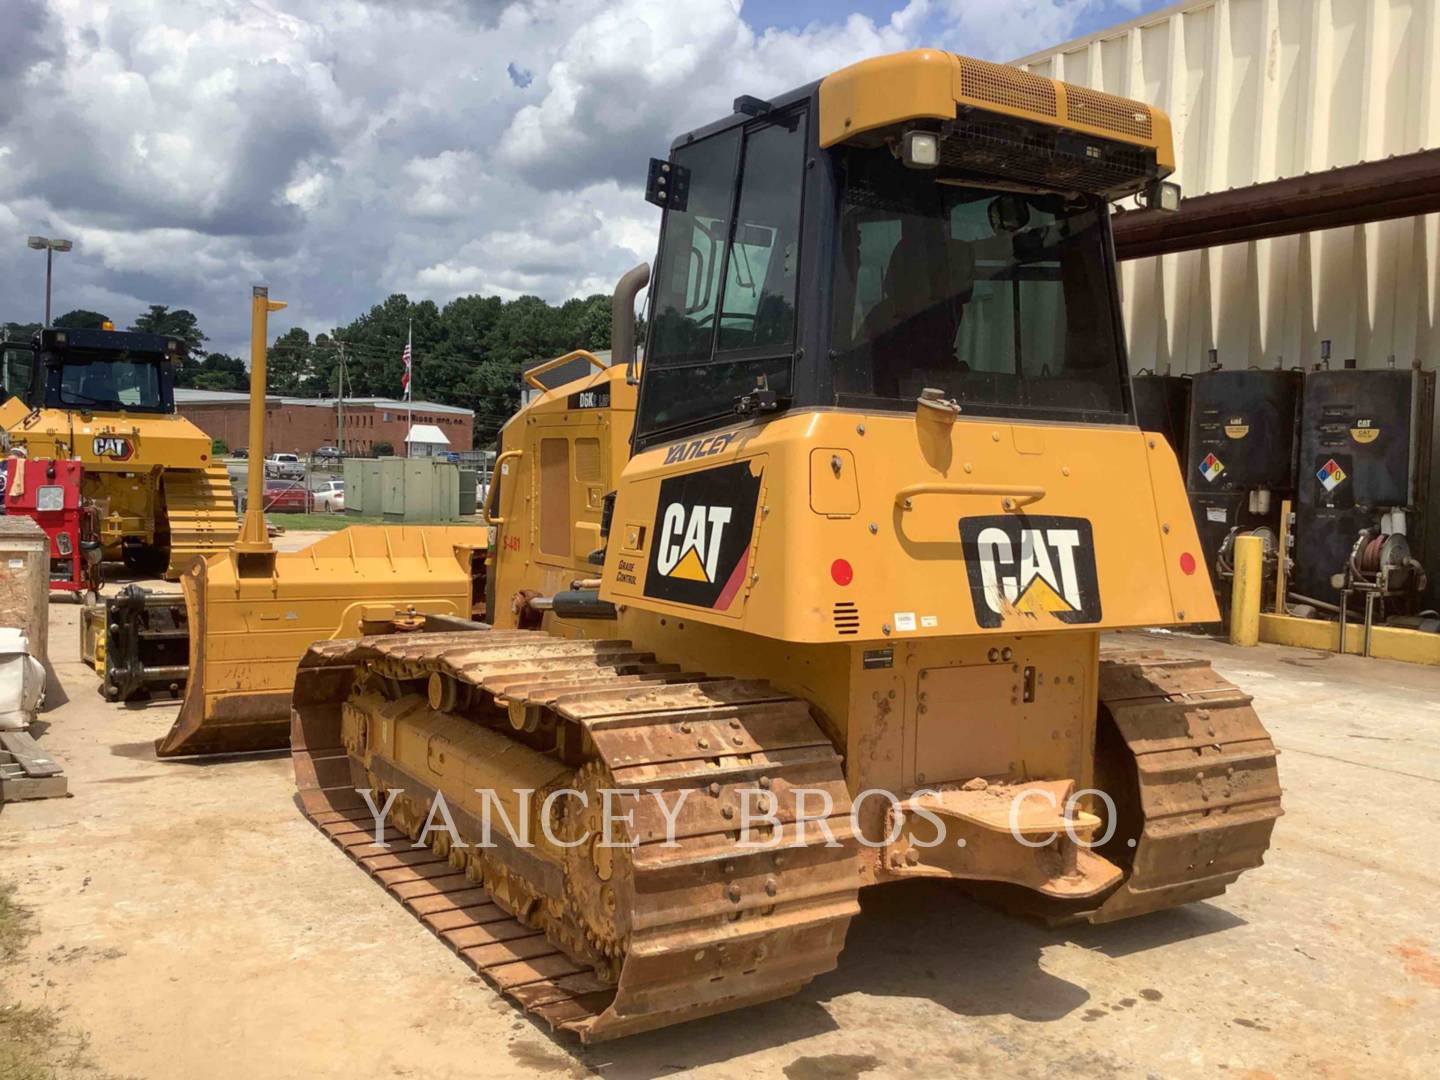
(49,246)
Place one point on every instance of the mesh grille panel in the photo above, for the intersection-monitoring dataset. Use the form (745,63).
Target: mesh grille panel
(1105,111)
(587,460)
(1058,161)
(1001,84)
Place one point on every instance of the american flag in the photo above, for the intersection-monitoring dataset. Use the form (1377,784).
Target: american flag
(405,356)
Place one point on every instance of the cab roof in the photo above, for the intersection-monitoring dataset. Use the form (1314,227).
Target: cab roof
(129,341)
(929,84)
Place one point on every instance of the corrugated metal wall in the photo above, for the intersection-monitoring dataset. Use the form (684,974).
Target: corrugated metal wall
(1263,89)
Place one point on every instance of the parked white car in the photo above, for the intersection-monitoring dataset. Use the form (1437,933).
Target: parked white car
(284,467)
(330,497)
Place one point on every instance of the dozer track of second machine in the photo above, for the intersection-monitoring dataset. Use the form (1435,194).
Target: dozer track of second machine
(813,601)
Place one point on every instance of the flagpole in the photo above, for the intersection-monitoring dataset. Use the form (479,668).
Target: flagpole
(410,387)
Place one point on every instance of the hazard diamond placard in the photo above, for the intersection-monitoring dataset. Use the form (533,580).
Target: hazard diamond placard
(1330,475)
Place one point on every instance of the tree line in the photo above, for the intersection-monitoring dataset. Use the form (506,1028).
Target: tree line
(468,353)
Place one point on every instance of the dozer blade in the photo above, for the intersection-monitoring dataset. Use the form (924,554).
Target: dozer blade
(200,510)
(249,625)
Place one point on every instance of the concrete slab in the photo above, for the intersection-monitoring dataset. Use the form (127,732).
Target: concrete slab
(196,925)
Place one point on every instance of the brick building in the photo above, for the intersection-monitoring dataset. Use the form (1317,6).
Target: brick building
(302,425)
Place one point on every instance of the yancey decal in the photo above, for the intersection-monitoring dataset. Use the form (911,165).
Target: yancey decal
(699,448)
(113,446)
(703,524)
(1020,565)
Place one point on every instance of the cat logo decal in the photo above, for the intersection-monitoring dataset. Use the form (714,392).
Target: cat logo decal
(116,447)
(703,528)
(1025,567)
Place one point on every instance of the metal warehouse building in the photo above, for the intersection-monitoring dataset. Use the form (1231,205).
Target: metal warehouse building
(1259,90)
(1307,139)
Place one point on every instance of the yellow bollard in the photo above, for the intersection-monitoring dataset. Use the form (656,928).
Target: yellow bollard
(1245,590)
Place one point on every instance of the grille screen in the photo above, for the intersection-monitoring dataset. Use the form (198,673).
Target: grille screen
(1107,112)
(1001,84)
(587,460)
(847,618)
(1053,160)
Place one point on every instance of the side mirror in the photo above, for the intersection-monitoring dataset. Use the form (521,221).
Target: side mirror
(1008,214)
(1161,195)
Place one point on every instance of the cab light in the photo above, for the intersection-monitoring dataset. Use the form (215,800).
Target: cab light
(841,572)
(920,150)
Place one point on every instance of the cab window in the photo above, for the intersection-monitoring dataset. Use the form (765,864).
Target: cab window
(725,294)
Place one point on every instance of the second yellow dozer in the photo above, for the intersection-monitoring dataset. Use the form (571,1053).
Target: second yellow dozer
(105,397)
(251,611)
(818,604)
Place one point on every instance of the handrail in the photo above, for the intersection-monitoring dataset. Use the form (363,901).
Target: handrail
(531,376)
(1012,497)
(495,484)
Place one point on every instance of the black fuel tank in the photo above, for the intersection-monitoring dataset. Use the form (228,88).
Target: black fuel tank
(1241,459)
(1242,431)
(1364,449)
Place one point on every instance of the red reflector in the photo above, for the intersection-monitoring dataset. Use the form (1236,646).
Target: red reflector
(1187,563)
(842,572)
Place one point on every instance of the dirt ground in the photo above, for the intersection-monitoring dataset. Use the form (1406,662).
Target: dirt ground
(196,925)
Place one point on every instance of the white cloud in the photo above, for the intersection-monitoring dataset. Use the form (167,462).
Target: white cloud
(638,73)
(344,149)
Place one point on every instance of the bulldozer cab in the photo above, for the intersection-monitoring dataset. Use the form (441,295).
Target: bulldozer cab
(834,268)
(887,328)
(104,371)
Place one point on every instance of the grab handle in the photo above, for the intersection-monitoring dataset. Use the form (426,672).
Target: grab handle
(533,375)
(495,484)
(1012,497)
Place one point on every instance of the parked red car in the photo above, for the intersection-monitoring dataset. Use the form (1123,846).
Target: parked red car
(287,497)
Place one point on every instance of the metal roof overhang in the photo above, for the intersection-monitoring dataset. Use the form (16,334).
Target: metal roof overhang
(1396,187)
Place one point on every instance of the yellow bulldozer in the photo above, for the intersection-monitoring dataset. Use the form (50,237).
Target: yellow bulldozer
(250,612)
(813,601)
(105,397)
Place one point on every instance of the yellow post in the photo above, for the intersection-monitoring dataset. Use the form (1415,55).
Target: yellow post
(253,537)
(1245,590)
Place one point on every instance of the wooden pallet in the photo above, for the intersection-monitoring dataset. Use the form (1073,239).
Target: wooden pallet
(27,772)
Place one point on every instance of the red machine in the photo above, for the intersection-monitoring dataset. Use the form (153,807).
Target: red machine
(49,492)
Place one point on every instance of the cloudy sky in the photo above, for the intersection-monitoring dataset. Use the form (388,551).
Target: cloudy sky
(342,150)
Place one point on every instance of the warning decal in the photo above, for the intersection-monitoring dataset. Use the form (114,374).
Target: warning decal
(1211,467)
(1330,475)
